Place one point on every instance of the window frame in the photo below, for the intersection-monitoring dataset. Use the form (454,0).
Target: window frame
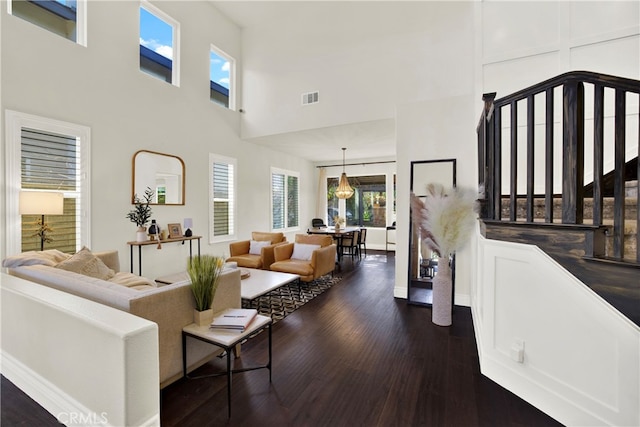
(358,195)
(175,25)
(216,158)
(287,174)
(232,75)
(81,18)
(14,123)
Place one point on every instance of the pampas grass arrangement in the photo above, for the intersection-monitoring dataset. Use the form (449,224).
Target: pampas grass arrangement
(445,218)
(204,272)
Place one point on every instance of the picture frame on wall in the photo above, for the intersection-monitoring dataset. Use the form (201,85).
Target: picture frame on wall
(175,230)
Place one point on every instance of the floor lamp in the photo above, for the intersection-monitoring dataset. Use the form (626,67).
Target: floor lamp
(41,203)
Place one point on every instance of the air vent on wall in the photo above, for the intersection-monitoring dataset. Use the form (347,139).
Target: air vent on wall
(310,98)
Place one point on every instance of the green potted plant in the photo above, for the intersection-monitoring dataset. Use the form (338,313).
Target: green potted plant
(141,213)
(204,272)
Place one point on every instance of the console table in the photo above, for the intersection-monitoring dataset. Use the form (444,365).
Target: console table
(155,242)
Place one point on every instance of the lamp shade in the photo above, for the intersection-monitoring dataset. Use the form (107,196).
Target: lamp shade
(41,203)
(344,190)
(188,222)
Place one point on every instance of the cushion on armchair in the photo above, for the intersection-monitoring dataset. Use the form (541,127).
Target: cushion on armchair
(257,252)
(321,261)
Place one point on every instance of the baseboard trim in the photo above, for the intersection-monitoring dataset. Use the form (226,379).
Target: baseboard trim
(63,407)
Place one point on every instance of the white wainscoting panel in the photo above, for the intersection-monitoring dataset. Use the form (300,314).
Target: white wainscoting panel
(581,361)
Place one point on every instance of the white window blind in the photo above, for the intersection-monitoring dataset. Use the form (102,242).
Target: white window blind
(223,184)
(284,199)
(52,162)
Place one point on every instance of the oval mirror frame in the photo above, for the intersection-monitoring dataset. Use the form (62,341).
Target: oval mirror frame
(163,173)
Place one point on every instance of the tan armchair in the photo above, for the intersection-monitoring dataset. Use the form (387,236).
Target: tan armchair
(320,261)
(260,257)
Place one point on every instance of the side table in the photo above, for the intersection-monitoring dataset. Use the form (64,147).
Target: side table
(227,339)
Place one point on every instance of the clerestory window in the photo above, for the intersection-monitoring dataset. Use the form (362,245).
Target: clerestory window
(66,18)
(159,44)
(222,78)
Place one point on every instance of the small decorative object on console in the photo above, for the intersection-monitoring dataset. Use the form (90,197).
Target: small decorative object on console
(141,213)
(188,223)
(175,231)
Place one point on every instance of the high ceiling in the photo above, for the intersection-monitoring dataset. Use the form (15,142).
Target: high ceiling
(333,22)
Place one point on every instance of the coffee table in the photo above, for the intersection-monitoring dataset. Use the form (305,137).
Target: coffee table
(261,282)
(257,284)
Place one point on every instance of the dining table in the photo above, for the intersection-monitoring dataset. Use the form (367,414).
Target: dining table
(337,234)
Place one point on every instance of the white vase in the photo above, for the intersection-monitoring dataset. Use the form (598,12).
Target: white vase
(141,234)
(203,318)
(442,292)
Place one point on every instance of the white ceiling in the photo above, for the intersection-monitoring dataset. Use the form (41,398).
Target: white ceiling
(335,22)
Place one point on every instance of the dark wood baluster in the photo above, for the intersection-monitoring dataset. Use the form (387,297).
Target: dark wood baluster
(548,181)
(497,178)
(618,174)
(513,186)
(573,153)
(530,155)
(598,152)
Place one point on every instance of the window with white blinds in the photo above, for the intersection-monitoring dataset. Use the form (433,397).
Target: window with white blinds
(52,162)
(222,193)
(284,199)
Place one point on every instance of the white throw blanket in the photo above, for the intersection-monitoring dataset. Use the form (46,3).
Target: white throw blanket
(49,257)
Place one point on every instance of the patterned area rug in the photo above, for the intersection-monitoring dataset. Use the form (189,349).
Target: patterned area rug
(288,298)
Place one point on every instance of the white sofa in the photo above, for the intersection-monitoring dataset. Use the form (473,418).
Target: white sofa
(170,307)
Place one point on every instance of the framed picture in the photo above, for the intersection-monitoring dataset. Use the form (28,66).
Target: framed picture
(175,231)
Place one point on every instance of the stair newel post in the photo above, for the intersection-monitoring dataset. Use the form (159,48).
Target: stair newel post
(497,162)
(486,155)
(573,153)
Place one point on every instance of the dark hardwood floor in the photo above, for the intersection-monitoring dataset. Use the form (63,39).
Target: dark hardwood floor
(354,356)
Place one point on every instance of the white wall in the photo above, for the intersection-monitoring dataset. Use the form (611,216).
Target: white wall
(101,364)
(580,354)
(361,72)
(101,87)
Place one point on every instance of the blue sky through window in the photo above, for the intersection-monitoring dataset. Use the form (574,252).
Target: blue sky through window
(219,70)
(156,34)
(68,3)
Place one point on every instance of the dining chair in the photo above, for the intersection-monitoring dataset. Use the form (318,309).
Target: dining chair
(350,244)
(317,223)
(362,242)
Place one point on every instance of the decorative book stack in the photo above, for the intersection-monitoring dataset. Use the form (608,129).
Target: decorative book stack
(236,319)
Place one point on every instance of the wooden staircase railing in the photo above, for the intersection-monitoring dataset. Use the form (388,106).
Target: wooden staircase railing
(620,94)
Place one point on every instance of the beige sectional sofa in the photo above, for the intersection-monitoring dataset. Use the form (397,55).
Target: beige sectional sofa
(170,306)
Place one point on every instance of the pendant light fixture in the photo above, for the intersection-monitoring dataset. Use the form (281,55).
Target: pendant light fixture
(344,190)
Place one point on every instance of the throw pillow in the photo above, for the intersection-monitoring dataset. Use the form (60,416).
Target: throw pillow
(85,263)
(303,251)
(255,246)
